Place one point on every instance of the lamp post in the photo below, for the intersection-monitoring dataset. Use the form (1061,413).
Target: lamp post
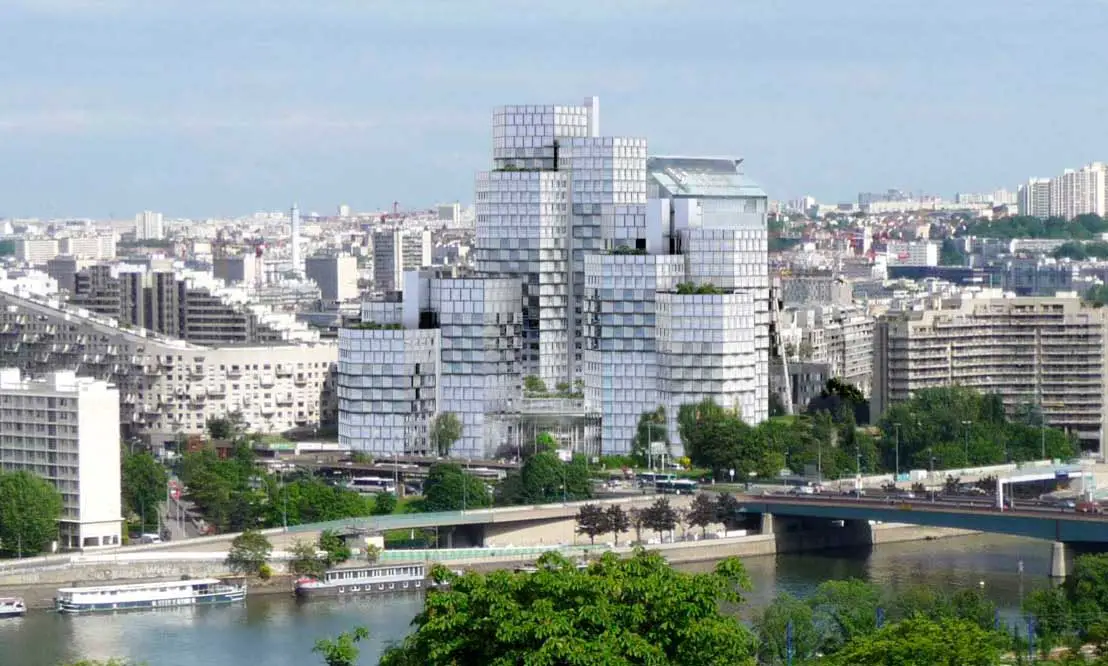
(965,436)
(465,486)
(896,476)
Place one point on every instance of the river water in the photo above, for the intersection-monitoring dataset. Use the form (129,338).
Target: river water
(279,631)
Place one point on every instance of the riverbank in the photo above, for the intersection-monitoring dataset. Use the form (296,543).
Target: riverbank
(40,595)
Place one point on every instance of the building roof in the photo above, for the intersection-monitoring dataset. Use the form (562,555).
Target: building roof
(701,177)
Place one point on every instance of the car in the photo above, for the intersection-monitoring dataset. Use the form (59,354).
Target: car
(1089,507)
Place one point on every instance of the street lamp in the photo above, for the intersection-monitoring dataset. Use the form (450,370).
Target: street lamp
(896,477)
(965,436)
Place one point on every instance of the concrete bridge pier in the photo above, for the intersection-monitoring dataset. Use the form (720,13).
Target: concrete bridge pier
(767,523)
(1058,555)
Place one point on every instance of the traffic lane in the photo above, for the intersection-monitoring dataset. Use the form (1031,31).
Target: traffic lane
(960,505)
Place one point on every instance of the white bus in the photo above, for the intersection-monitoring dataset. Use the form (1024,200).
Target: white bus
(651,479)
(371,485)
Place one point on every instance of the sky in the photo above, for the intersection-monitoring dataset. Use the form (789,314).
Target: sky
(201,108)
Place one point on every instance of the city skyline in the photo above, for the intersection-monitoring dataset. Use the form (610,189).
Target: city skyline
(233,109)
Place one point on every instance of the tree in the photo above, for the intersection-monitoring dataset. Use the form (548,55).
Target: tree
(592,520)
(230,427)
(729,511)
(449,488)
(640,611)
(637,517)
(922,641)
(651,428)
(143,484)
(660,516)
(618,521)
(343,649)
(772,629)
(335,546)
(544,441)
(29,510)
(844,610)
(384,504)
(703,512)
(372,553)
(306,560)
(445,430)
(249,553)
(534,386)
(544,478)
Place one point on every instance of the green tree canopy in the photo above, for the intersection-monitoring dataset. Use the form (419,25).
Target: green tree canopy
(541,480)
(143,485)
(449,488)
(639,611)
(922,641)
(343,649)
(29,510)
(249,553)
(772,628)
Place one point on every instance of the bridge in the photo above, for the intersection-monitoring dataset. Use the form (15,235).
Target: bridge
(807,513)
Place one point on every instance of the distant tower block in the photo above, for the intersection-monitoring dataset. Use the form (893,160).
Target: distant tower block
(294,215)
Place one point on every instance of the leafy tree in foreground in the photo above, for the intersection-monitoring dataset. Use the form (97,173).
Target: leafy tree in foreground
(249,553)
(592,521)
(343,649)
(844,610)
(921,641)
(29,510)
(640,611)
(772,628)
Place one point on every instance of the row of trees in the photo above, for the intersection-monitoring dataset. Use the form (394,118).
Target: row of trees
(542,478)
(236,494)
(945,427)
(1082,227)
(661,517)
(1075,613)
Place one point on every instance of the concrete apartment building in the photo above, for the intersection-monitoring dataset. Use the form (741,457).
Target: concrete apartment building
(148,226)
(397,251)
(169,387)
(839,336)
(65,429)
(1075,192)
(597,238)
(1043,351)
(166,303)
(336,275)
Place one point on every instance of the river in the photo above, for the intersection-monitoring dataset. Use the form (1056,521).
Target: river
(279,631)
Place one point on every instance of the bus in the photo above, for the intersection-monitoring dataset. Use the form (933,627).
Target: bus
(651,479)
(677,486)
(371,485)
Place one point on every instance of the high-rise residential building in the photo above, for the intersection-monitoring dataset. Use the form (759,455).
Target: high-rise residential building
(1079,192)
(1043,351)
(36,251)
(912,253)
(638,284)
(440,345)
(397,251)
(237,268)
(1034,197)
(148,226)
(336,275)
(65,429)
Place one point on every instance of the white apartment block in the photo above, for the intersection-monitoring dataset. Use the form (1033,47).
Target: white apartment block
(65,429)
(449,345)
(167,387)
(1047,351)
(36,251)
(839,336)
(912,253)
(398,251)
(99,248)
(148,226)
(1034,197)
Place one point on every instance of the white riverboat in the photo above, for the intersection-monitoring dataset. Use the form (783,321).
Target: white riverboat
(169,594)
(360,581)
(12,607)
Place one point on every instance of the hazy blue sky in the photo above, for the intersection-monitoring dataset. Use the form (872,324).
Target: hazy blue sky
(204,107)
